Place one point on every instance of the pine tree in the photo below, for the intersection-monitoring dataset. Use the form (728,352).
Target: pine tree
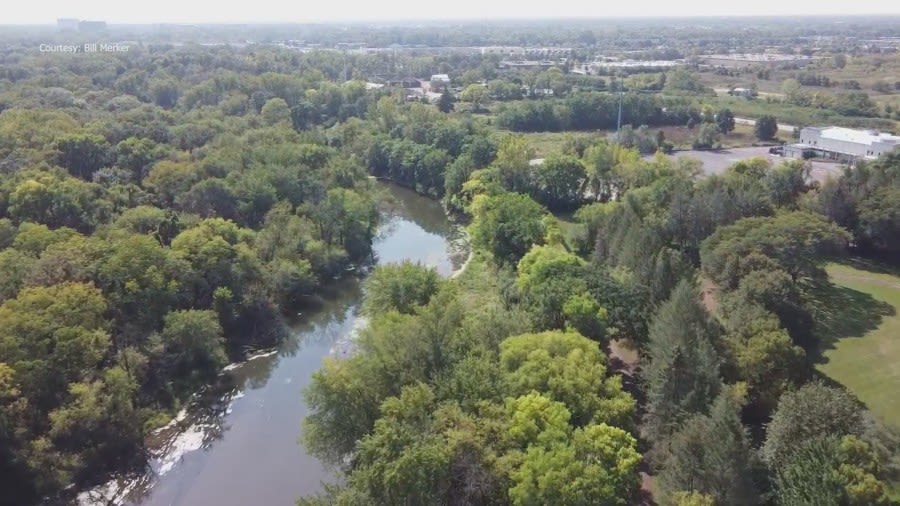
(683,375)
(711,455)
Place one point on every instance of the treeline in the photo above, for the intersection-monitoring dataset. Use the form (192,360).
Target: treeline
(595,111)
(152,223)
(731,413)
(866,201)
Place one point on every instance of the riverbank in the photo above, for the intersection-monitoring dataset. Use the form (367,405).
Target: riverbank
(238,445)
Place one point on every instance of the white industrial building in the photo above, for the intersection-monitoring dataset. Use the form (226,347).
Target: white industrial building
(842,144)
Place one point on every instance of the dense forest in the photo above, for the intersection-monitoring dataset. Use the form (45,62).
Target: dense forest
(161,209)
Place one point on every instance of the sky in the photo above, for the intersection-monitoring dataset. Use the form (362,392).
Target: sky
(301,11)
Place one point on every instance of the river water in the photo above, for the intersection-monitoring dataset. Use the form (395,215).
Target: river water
(237,445)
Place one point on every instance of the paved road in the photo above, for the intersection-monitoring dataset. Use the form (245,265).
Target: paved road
(715,162)
(752,122)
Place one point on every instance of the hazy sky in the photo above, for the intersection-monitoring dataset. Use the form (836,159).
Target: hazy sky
(266,11)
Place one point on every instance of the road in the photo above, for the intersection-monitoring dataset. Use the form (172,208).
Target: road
(752,122)
(715,162)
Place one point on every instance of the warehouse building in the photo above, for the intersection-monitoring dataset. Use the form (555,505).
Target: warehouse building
(842,144)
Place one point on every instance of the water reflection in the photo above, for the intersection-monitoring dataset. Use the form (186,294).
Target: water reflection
(236,443)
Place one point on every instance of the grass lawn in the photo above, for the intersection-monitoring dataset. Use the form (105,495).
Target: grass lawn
(858,321)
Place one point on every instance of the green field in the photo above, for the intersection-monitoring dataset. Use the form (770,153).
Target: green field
(858,321)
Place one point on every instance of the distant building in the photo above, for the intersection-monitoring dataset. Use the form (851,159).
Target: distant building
(67,24)
(411,82)
(605,65)
(508,51)
(528,64)
(754,59)
(842,144)
(91,26)
(440,78)
(743,92)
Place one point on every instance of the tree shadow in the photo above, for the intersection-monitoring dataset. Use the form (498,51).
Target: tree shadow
(871,265)
(841,313)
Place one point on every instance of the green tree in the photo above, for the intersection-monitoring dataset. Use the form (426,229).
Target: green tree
(557,182)
(707,137)
(830,470)
(164,92)
(507,225)
(53,336)
(766,128)
(474,94)
(276,111)
(879,218)
(193,346)
(568,368)
(814,410)
(400,287)
(682,377)
(170,179)
(82,154)
(15,266)
(446,102)
(598,466)
(547,277)
(711,455)
(725,121)
(798,241)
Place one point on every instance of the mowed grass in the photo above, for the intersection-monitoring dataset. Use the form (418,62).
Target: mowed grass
(858,321)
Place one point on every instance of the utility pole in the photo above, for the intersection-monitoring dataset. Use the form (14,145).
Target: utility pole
(619,123)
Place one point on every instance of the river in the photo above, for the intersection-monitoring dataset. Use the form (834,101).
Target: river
(237,444)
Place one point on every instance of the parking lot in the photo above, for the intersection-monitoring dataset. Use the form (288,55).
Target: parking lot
(715,162)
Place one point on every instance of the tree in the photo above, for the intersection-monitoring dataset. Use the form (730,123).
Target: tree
(766,128)
(164,92)
(140,278)
(171,179)
(53,336)
(82,154)
(707,137)
(682,377)
(879,218)
(711,455)
(474,94)
(558,182)
(507,225)
(15,266)
(137,154)
(597,466)
(276,111)
(400,287)
(796,241)
(446,102)
(830,470)
(567,368)
(725,121)
(794,93)
(547,277)
(814,410)
(193,346)
(839,60)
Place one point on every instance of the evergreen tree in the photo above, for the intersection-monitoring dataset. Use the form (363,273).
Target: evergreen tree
(446,102)
(682,377)
(711,455)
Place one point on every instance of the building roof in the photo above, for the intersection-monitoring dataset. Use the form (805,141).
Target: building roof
(867,137)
